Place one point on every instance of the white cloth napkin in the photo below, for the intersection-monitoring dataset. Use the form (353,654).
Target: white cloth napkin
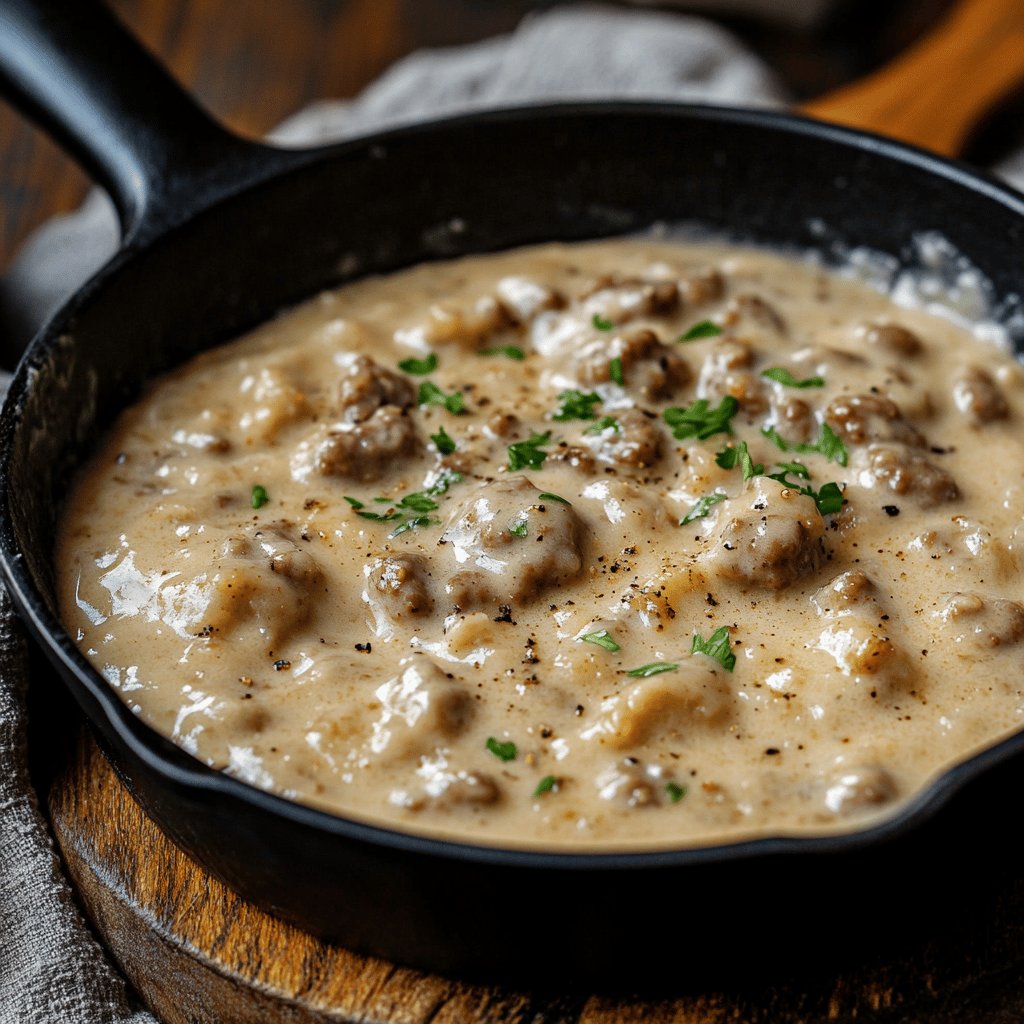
(51,967)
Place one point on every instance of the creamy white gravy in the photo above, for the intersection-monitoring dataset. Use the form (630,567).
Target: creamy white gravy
(457,596)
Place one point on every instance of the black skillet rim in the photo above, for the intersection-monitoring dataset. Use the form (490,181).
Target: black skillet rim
(167,760)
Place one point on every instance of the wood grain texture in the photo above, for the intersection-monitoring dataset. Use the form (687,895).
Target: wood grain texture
(198,953)
(935,93)
(251,64)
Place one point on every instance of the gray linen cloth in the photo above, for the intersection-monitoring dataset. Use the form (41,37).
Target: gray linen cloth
(51,967)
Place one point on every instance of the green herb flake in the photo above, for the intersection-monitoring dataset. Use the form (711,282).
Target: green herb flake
(509,351)
(354,502)
(700,421)
(414,524)
(576,405)
(443,442)
(786,379)
(716,646)
(601,324)
(602,638)
(654,668)
(729,457)
(528,452)
(675,791)
(554,497)
(519,527)
(704,329)
(829,444)
(418,501)
(502,751)
(431,394)
(444,480)
(829,499)
(419,367)
(259,496)
(378,517)
(603,424)
(615,371)
(796,468)
(703,507)
(548,783)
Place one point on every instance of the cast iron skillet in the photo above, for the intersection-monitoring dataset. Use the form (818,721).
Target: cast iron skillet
(219,234)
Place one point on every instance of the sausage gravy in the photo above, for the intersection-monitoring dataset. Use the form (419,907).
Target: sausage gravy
(615,545)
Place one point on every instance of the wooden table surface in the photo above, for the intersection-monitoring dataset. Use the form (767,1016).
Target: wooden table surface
(253,62)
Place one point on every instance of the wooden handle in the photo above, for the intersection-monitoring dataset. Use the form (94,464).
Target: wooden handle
(936,92)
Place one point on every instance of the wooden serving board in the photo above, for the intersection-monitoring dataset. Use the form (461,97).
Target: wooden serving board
(197,953)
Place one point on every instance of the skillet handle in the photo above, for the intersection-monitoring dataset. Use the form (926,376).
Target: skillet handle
(77,71)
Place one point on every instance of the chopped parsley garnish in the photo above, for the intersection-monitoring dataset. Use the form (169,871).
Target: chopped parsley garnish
(615,371)
(259,496)
(796,468)
(444,480)
(704,329)
(519,527)
(419,367)
(602,638)
(443,442)
(601,324)
(380,517)
(528,452)
(603,424)
(576,405)
(554,497)
(829,499)
(654,668)
(413,524)
(417,501)
(509,351)
(700,421)
(703,507)
(675,791)
(412,508)
(829,444)
(716,646)
(502,751)
(545,785)
(784,377)
(431,394)
(727,458)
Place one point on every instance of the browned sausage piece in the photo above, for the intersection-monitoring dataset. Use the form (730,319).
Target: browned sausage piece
(649,366)
(906,471)
(510,545)
(366,387)
(727,370)
(978,396)
(977,624)
(861,419)
(768,538)
(399,586)
(896,339)
(633,440)
(365,451)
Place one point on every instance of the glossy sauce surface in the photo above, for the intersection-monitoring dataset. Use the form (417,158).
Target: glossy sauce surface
(616,545)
